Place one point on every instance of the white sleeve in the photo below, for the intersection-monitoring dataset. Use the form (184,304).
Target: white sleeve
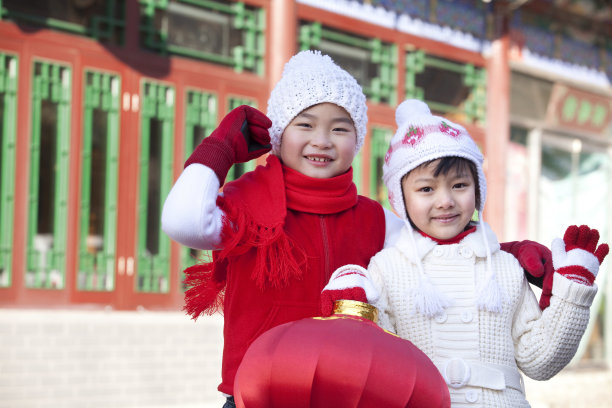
(190,215)
(386,319)
(393,226)
(545,342)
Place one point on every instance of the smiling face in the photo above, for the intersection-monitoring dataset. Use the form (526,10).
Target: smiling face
(320,141)
(440,206)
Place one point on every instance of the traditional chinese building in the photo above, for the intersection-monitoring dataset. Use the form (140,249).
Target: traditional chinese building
(102,101)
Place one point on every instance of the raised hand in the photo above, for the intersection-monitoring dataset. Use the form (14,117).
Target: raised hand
(241,136)
(577,256)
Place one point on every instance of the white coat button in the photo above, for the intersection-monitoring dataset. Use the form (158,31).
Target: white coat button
(471,396)
(441,317)
(437,251)
(466,252)
(466,316)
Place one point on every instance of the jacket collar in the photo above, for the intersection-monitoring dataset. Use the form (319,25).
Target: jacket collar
(424,245)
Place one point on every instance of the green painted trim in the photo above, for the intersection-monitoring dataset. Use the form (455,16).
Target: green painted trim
(96,270)
(8,94)
(46,269)
(153,269)
(379,145)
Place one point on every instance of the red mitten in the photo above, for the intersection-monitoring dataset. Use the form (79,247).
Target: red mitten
(577,257)
(349,282)
(241,136)
(536,261)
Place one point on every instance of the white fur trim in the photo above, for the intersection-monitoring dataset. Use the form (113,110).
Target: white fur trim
(353,276)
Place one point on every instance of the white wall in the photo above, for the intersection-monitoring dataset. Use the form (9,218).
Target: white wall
(59,358)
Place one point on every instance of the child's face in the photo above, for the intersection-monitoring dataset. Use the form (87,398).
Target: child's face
(320,141)
(440,206)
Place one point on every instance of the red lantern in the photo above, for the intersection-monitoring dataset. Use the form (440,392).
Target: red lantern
(344,361)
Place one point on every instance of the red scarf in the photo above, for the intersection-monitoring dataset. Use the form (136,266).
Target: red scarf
(255,206)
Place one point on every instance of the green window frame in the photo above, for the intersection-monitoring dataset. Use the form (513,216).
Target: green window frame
(473,81)
(49,168)
(99,183)
(233,19)
(102,21)
(8,113)
(156,152)
(381,137)
(353,53)
(357,170)
(200,120)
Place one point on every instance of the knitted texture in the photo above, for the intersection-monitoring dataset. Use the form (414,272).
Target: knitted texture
(311,78)
(521,337)
(422,137)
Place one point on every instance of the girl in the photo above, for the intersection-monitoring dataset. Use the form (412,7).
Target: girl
(446,286)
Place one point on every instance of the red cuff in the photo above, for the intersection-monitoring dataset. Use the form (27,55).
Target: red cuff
(215,154)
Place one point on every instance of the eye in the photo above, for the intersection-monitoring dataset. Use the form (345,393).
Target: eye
(425,189)
(303,125)
(341,129)
(461,185)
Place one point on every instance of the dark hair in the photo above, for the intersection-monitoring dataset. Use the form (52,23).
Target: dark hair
(459,164)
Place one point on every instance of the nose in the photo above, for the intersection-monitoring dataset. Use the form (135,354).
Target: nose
(321,139)
(445,199)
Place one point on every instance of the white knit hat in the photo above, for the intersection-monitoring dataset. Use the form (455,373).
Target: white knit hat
(420,138)
(310,78)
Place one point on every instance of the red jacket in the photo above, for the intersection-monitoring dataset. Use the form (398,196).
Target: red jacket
(352,236)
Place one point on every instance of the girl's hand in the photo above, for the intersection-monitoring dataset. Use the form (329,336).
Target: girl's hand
(577,256)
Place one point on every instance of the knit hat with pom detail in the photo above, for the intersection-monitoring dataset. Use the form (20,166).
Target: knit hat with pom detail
(310,78)
(420,138)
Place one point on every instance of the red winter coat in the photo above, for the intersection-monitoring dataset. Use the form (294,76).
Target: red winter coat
(330,241)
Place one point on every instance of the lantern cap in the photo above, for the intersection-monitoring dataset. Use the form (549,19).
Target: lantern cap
(356,308)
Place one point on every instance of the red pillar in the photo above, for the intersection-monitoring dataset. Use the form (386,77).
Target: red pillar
(282,26)
(498,124)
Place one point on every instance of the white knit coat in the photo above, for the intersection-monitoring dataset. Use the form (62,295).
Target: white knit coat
(538,343)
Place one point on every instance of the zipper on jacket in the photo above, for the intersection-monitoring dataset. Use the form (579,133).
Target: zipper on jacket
(325,248)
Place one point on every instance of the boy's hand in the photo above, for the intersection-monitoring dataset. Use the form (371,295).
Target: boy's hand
(536,261)
(577,256)
(241,136)
(349,282)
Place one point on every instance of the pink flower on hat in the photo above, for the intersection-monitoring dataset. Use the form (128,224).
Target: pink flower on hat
(449,130)
(413,136)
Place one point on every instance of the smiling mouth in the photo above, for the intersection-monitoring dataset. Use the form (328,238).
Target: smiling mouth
(319,159)
(446,218)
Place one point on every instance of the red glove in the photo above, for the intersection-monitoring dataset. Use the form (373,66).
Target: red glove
(241,136)
(577,256)
(349,282)
(536,261)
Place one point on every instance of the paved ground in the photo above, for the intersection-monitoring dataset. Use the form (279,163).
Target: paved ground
(577,387)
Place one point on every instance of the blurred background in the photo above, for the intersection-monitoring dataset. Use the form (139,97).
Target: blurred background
(101,102)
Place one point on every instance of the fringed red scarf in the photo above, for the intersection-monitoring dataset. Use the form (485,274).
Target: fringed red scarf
(255,208)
